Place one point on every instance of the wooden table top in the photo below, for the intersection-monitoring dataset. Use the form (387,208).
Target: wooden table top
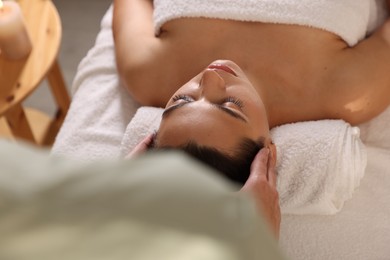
(18,79)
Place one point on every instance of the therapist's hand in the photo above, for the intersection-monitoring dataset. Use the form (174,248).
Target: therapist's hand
(262,185)
(141,148)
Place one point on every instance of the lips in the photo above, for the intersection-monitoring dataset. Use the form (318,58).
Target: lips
(223,67)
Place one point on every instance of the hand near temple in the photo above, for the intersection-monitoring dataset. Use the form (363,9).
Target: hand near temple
(261,184)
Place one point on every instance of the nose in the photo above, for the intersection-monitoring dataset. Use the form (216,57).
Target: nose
(212,85)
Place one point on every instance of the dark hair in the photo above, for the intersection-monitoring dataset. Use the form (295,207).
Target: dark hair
(235,168)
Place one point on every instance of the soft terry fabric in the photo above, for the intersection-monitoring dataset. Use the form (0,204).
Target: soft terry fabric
(101,107)
(320,163)
(360,231)
(349,19)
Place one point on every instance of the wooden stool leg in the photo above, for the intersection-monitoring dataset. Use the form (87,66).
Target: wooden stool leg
(18,123)
(60,93)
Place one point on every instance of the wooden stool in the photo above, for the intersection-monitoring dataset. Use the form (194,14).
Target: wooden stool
(18,79)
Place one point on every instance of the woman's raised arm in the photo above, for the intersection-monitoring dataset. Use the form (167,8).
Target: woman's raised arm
(135,45)
(133,30)
(360,86)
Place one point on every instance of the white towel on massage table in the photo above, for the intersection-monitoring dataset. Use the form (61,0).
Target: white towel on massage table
(320,163)
(101,108)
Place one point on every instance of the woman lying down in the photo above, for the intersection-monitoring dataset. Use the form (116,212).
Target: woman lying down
(228,71)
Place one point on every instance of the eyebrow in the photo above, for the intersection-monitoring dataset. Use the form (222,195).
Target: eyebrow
(220,107)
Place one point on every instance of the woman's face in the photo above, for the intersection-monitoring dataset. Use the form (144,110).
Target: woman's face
(217,108)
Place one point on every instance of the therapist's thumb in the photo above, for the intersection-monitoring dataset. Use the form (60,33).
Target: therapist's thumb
(258,171)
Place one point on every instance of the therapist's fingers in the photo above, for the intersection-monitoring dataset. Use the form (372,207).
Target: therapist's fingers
(261,184)
(258,170)
(272,174)
(141,147)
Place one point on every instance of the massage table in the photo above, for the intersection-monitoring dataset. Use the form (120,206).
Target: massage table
(101,110)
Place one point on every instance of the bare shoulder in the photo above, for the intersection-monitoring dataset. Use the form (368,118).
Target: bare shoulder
(358,86)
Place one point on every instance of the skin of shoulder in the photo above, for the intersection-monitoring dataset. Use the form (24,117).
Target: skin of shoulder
(359,88)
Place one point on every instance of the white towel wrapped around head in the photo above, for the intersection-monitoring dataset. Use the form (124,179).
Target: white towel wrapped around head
(320,163)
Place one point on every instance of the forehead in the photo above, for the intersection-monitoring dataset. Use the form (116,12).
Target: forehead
(204,125)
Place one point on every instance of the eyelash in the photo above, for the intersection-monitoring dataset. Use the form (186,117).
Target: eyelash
(181,97)
(233,100)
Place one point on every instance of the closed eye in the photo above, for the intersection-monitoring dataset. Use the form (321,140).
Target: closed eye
(187,100)
(234,101)
(182,97)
